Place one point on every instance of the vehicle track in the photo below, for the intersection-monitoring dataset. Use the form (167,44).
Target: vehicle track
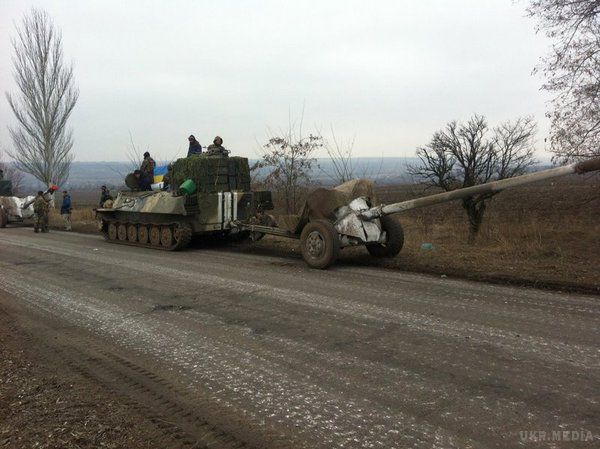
(150,394)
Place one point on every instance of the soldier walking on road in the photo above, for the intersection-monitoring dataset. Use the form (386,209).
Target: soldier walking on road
(40,207)
(65,210)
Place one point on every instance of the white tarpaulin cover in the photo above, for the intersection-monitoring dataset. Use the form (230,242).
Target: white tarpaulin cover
(13,206)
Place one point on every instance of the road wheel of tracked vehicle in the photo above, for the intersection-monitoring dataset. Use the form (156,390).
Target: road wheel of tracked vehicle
(183,235)
(166,236)
(122,231)
(132,233)
(155,235)
(395,239)
(112,231)
(320,244)
(143,234)
(3,218)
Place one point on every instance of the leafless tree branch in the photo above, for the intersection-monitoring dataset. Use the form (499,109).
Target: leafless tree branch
(464,155)
(44,102)
(572,72)
(289,157)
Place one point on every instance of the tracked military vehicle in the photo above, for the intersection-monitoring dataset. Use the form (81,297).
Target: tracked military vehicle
(207,195)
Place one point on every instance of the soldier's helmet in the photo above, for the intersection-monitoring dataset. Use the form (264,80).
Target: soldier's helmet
(218,141)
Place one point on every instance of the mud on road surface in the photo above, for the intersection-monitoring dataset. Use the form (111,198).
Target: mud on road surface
(217,349)
(50,399)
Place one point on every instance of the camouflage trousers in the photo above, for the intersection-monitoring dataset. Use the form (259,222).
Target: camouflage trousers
(41,223)
(67,220)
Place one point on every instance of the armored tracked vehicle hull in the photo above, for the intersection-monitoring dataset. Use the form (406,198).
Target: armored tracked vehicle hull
(168,220)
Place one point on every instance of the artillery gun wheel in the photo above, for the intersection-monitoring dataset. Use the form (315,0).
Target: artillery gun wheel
(112,231)
(166,236)
(122,231)
(395,239)
(132,233)
(320,244)
(155,235)
(143,234)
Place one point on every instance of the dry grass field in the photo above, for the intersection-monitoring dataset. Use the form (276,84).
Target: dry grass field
(545,235)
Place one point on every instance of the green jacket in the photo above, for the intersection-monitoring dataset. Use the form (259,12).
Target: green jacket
(40,205)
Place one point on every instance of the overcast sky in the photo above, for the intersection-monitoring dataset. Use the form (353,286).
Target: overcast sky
(389,73)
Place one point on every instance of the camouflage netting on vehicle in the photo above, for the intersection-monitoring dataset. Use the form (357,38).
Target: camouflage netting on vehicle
(213,173)
(322,203)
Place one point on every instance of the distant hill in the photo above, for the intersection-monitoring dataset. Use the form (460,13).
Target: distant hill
(91,175)
(389,170)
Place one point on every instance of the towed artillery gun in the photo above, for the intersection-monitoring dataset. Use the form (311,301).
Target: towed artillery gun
(14,209)
(214,197)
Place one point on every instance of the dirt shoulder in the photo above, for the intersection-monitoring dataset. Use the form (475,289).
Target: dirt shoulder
(474,264)
(47,404)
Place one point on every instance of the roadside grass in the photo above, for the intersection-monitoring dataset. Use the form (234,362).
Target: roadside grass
(83,219)
(543,235)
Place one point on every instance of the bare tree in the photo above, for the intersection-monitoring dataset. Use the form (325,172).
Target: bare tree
(47,95)
(134,154)
(289,157)
(572,72)
(340,152)
(464,155)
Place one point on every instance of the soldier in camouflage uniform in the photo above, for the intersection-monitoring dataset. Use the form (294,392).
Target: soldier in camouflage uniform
(147,167)
(217,148)
(41,208)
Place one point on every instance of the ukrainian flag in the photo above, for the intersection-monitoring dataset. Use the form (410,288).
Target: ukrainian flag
(160,172)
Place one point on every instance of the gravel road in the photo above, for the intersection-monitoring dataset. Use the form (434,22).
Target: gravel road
(241,350)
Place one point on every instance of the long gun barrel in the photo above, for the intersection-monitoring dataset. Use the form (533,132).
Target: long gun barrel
(50,189)
(495,186)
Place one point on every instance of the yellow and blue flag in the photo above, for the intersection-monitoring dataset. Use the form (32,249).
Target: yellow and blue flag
(160,172)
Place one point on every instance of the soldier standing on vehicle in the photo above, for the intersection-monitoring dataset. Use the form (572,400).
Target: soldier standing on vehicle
(65,210)
(217,148)
(104,195)
(147,167)
(40,207)
(195,147)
